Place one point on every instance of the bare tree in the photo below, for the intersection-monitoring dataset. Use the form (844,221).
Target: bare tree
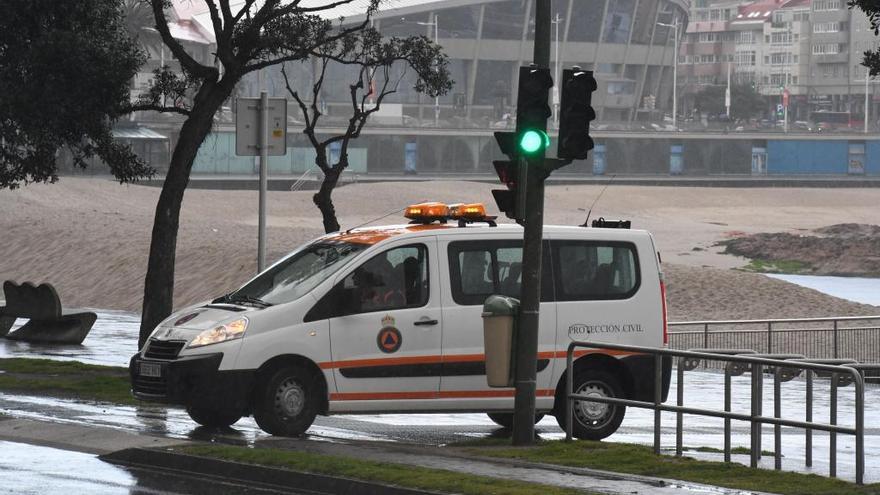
(252,36)
(381,67)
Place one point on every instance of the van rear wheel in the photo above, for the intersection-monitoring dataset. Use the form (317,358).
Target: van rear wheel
(593,420)
(212,417)
(288,402)
(505,420)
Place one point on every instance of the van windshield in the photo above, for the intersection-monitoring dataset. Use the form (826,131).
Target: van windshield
(297,275)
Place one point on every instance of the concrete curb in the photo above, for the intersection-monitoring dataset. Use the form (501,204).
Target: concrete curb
(278,478)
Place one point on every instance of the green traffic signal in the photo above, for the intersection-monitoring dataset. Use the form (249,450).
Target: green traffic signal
(533,141)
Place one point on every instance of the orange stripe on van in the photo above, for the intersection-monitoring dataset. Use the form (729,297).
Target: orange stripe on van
(459,358)
(444,394)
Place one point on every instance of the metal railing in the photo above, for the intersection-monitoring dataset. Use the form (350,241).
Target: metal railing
(783,367)
(850,337)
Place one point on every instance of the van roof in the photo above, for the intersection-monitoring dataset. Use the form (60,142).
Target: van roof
(374,235)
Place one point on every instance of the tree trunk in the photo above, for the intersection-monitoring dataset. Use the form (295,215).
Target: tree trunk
(159,282)
(323,200)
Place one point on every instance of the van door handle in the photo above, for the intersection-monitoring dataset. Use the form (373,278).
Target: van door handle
(425,322)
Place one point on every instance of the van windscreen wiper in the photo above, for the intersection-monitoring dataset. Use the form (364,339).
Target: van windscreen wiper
(242,298)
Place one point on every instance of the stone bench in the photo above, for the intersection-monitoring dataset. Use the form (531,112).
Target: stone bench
(47,322)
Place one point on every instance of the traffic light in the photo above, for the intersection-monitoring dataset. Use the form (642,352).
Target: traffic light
(512,174)
(525,147)
(532,110)
(575,114)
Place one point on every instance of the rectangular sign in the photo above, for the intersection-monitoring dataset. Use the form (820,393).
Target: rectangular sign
(247,127)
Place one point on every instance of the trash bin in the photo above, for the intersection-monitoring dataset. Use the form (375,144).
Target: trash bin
(499,323)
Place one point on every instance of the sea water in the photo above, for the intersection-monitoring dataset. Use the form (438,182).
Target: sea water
(861,290)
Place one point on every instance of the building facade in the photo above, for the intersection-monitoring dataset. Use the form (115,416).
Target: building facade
(810,49)
(627,43)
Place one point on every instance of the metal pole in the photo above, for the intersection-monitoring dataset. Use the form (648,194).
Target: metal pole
(777,413)
(436,98)
(836,340)
(264,165)
(809,419)
(679,417)
(755,432)
(867,74)
(727,401)
(527,335)
(675,81)
(832,441)
(860,428)
(658,399)
(556,21)
(569,389)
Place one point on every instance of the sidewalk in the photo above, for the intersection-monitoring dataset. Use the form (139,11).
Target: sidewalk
(127,447)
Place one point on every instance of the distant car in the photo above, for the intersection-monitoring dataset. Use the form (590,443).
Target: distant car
(801,125)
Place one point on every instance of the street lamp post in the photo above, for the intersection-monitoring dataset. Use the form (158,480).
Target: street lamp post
(674,74)
(556,20)
(867,81)
(436,24)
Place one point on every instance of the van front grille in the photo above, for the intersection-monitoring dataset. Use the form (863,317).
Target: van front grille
(163,349)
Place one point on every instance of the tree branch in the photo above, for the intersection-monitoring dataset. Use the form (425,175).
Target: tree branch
(141,107)
(312,50)
(215,17)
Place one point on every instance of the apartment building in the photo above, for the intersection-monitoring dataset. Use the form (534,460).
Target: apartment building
(810,49)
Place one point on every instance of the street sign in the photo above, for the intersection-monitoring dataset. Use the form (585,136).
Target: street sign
(247,127)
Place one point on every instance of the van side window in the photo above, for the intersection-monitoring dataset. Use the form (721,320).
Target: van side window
(589,270)
(395,279)
(481,268)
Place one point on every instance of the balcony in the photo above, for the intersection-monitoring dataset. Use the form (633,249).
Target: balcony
(831,58)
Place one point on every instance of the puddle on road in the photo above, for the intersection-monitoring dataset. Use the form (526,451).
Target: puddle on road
(112,342)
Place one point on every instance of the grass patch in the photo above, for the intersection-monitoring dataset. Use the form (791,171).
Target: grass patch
(67,379)
(733,450)
(640,459)
(379,472)
(777,266)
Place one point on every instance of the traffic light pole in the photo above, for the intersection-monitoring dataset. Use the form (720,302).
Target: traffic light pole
(530,298)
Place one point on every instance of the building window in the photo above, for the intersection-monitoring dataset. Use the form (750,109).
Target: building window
(825,5)
(829,27)
(504,20)
(618,21)
(744,37)
(744,58)
(586,21)
(780,38)
(461,22)
(826,48)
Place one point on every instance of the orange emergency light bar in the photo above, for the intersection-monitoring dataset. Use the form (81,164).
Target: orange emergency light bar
(472,211)
(427,212)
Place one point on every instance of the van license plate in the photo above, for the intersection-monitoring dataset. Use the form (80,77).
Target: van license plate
(151,369)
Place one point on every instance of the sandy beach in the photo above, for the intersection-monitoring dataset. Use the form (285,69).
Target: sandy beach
(90,237)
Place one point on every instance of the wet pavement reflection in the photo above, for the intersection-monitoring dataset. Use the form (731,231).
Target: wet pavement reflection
(113,339)
(32,470)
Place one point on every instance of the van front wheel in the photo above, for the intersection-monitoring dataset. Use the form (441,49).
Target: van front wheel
(593,420)
(288,403)
(212,417)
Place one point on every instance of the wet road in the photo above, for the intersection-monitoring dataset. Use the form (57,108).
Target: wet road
(112,341)
(28,469)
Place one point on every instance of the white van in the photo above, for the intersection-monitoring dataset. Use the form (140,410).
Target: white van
(388,319)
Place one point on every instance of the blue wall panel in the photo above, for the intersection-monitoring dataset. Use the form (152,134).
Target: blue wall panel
(872,162)
(807,157)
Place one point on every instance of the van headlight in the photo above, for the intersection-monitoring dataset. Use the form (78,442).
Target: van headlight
(221,333)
